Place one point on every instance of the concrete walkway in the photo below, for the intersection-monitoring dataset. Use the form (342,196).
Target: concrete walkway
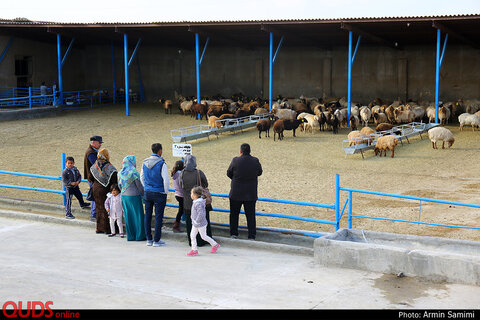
(67,263)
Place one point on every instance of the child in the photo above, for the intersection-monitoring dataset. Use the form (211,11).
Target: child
(199,222)
(71,178)
(114,207)
(178,193)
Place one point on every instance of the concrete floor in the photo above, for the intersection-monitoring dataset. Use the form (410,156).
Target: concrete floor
(70,265)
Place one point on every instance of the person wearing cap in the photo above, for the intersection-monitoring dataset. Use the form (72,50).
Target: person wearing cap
(89,160)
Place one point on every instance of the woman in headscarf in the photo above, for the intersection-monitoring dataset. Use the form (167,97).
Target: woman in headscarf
(104,175)
(188,180)
(132,193)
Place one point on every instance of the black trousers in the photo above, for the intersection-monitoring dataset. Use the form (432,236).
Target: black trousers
(69,193)
(180,211)
(249,208)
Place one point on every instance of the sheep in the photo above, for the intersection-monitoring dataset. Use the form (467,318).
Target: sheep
(260,110)
(285,114)
(443,115)
(354,122)
(264,125)
(390,115)
(384,126)
(322,120)
(385,143)
(341,115)
(365,115)
(403,116)
(186,106)
(332,121)
(431,114)
(226,116)
(281,125)
(379,117)
(213,122)
(311,121)
(469,119)
(355,137)
(199,109)
(441,134)
(369,132)
(167,105)
(216,110)
(419,113)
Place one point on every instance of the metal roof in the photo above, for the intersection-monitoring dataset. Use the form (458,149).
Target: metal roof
(391,31)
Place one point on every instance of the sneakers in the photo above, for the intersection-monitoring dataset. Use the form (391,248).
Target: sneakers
(70,216)
(149,243)
(112,235)
(192,253)
(159,243)
(215,248)
(85,206)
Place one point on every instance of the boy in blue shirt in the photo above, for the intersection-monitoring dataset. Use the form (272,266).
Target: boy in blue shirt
(71,178)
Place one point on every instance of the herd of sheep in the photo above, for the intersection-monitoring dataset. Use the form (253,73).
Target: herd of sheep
(311,114)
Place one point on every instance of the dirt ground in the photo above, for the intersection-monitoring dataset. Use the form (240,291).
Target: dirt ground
(301,168)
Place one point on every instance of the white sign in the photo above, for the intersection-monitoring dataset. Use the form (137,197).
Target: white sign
(181,149)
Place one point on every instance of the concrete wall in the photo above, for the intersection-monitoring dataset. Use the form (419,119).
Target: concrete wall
(377,72)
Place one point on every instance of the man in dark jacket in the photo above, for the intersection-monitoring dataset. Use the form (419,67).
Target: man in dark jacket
(244,171)
(88,160)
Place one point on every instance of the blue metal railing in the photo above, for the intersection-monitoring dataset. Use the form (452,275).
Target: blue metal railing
(220,195)
(28,97)
(349,201)
(335,206)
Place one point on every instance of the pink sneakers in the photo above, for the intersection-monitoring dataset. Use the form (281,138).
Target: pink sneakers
(215,248)
(192,253)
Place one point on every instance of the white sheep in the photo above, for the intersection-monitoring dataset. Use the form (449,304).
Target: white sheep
(311,122)
(385,143)
(365,115)
(355,137)
(441,134)
(419,113)
(431,114)
(469,119)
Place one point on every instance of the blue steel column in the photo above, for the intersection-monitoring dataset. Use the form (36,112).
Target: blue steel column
(127,95)
(197,65)
(270,74)
(349,95)
(437,75)
(113,73)
(59,62)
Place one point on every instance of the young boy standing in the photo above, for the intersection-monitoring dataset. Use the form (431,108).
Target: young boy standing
(71,179)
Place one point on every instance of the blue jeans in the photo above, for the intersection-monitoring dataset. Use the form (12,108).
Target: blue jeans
(93,208)
(159,200)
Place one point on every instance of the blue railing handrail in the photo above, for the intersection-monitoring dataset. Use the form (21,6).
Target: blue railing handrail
(265,214)
(400,196)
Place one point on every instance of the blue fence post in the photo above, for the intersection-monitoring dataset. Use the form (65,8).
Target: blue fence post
(350,206)
(337,201)
(64,159)
(30,97)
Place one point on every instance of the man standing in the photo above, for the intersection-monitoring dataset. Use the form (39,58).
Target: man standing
(154,177)
(244,171)
(88,161)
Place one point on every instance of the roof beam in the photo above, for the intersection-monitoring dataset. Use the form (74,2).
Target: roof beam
(349,27)
(438,25)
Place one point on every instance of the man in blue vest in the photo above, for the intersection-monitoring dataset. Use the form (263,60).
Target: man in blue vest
(154,177)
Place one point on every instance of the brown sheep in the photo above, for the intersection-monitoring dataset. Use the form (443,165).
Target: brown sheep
(385,143)
(212,122)
(264,125)
(199,110)
(167,105)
